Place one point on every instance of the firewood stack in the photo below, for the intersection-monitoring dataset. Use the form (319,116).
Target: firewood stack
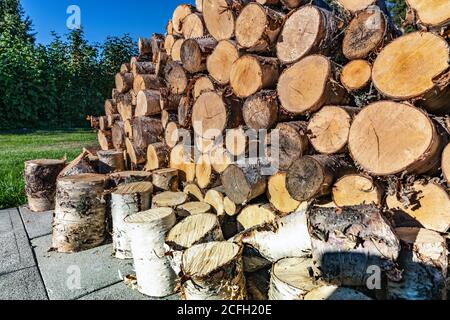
(347,199)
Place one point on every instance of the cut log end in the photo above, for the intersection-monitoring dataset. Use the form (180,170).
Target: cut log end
(356,75)
(354,190)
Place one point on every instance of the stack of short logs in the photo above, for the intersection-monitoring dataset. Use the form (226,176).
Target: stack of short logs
(347,199)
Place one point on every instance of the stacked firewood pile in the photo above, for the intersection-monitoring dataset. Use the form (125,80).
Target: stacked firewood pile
(280,149)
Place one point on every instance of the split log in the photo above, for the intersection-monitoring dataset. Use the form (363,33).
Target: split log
(126,177)
(124,82)
(335,293)
(127,200)
(366,33)
(424,260)
(230,207)
(110,107)
(258,27)
(148,103)
(445,164)
(279,196)
(144,46)
(308,85)
(432,14)
(293,142)
(137,155)
(147,131)
(194,192)
(355,190)
(179,15)
(182,158)
(193,230)
(194,53)
(391,74)
(202,84)
(111,161)
(250,74)
(175,53)
(166,179)
(193,26)
(221,60)
(328,129)
(311,177)
(346,242)
(255,215)
(292,279)
(243,184)
(105,140)
(40,183)
(147,231)
(215,197)
(157,156)
(283,238)
(147,82)
(138,68)
(193,208)
(261,110)
(169,199)
(218,278)
(79,218)
(81,164)
(411,143)
(356,75)
(308,30)
(128,128)
(176,78)
(204,175)
(213,113)
(423,204)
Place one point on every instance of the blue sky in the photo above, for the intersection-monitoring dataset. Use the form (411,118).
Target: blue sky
(101,18)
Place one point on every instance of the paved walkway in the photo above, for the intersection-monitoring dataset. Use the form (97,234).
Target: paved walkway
(29,271)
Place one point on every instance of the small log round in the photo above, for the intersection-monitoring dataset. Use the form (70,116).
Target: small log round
(355,190)
(219,18)
(40,183)
(220,158)
(110,161)
(169,199)
(176,78)
(202,84)
(255,215)
(356,75)
(194,52)
(166,179)
(179,15)
(193,208)
(293,142)
(193,26)
(221,60)
(261,110)
(432,13)
(148,103)
(124,82)
(279,196)
(204,175)
(182,158)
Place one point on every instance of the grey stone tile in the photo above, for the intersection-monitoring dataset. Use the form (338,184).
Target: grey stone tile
(15,249)
(25,284)
(70,276)
(117,291)
(36,224)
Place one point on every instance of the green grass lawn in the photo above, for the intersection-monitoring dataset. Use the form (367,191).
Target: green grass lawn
(15,149)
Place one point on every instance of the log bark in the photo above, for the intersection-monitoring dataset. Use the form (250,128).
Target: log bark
(309,30)
(137,155)
(308,85)
(124,82)
(145,46)
(147,231)
(176,78)
(355,190)
(111,161)
(221,60)
(147,131)
(157,156)
(279,196)
(138,68)
(194,26)
(194,53)
(84,163)
(250,74)
(148,103)
(126,177)
(147,82)
(79,219)
(118,135)
(311,177)
(110,107)
(40,183)
(169,101)
(166,179)
(185,110)
(157,43)
(346,242)
(221,278)
(127,200)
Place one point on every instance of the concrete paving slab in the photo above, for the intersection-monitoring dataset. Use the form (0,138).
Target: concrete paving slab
(15,249)
(117,291)
(36,224)
(70,276)
(25,284)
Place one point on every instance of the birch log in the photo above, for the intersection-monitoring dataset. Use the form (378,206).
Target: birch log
(111,161)
(166,179)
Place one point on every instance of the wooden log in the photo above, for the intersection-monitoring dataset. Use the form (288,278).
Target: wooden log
(422,204)
(126,177)
(309,29)
(356,5)
(308,85)
(175,53)
(115,94)
(218,278)
(356,75)
(445,164)
(157,42)
(124,82)
(110,107)
(294,4)
(81,164)
(250,74)
(179,15)
(430,89)
(40,183)
(411,144)
(220,158)
(166,179)
(111,161)
(113,119)
(172,134)
(176,78)
(157,156)
(194,192)
(169,199)
(258,27)
(127,200)
(255,215)
(279,196)
(194,53)
(432,14)
(365,34)
(137,155)
(144,45)
(214,112)
(161,61)
(199,5)
(169,42)
(346,242)
(126,111)
(147,131)
(147,231)
(182,158)
(424,259)
(261,110)
(293,142)
(311,177)
(335,293)
(230,207)
(215,197)
(125,68)
(202,84)
(243,184)
(148,103)
(193,26)
(193,208)
(138,68)
(168,117)
(147,82)
(103,123)
(282,238)
(79,219)
(105,140)
(355,190)
(128,128)
(204,175)
(328,129)
(185,112)
(221,60)
(169,101)
(169,28)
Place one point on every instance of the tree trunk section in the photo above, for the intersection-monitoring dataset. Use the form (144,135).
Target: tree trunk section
(194,53)
(221,60)
(157,156)
(166,179)
(111,161)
